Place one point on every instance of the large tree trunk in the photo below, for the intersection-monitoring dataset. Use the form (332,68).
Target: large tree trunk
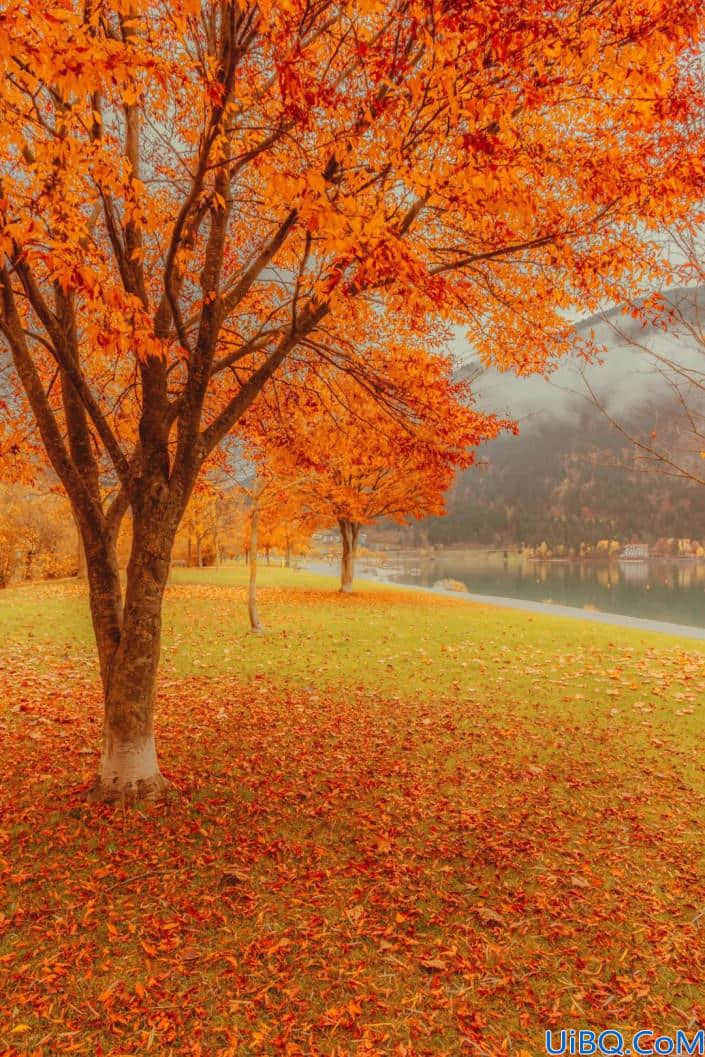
(105,597)
(128,768)
(348,533)
(252,587)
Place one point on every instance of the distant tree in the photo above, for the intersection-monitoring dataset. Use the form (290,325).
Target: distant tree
(199,521)
(36,541)
(276,495)
(359,461)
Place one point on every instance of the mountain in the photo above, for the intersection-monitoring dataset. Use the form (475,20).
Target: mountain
(571,475)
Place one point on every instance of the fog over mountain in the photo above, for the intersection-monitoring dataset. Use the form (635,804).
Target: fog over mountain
(570,476)
(625,377)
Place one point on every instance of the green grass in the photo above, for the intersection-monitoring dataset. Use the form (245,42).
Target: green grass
(407,824)
(395,642)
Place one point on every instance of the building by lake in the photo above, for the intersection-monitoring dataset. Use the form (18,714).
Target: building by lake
(635,552)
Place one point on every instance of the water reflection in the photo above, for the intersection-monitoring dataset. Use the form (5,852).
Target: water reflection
(668,589)
(634,572)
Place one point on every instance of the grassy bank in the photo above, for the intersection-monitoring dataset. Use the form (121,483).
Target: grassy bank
(405,825)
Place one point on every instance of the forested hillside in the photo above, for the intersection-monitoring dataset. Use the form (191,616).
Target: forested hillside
(565,480)
(571,476)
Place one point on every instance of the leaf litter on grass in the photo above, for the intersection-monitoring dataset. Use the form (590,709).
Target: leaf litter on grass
(340,874)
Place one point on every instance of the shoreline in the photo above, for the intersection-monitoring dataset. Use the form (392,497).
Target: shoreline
(687,631)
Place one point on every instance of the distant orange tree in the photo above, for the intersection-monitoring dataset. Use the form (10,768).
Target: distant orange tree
(277,512)
(359,458)
(192,194)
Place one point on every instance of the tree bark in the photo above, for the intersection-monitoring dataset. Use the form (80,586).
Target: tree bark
(349,531)
(81,556)
(105,599)
(255,624)
(128,768)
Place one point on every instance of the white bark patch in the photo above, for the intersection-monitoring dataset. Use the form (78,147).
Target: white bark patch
(127,763)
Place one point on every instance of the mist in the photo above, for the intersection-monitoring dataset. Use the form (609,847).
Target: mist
(640,363)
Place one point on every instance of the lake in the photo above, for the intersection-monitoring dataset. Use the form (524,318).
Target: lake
(667,589)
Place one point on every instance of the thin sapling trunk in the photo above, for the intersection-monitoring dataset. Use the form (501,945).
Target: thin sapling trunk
(255,624)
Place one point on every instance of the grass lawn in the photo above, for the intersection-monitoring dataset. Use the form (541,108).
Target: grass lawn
(405,825)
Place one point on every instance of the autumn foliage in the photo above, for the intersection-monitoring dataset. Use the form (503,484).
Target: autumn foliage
(353,454)
(192,196)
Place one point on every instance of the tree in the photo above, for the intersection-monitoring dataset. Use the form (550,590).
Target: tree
(213,523)
(192,194)
(276,492)
(288,526)
(360,460)
(199,522)
(35,535)
(7,550)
